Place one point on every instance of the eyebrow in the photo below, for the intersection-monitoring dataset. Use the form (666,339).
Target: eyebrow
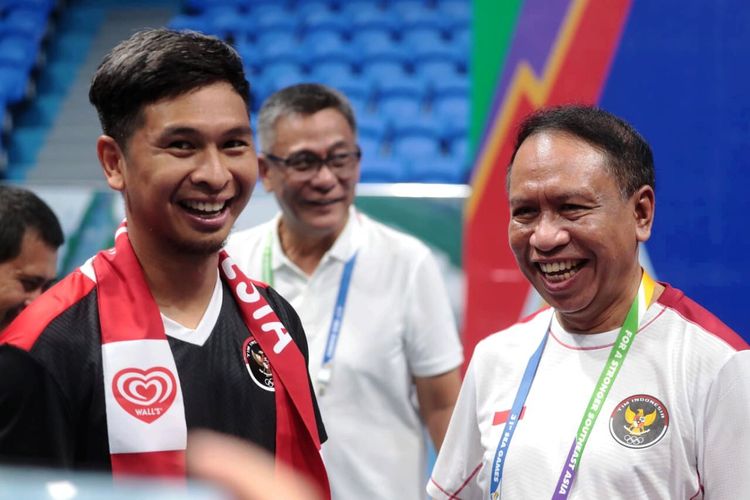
(588,195)
(191,131)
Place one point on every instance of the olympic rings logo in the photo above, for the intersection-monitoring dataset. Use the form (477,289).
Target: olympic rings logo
(633,440)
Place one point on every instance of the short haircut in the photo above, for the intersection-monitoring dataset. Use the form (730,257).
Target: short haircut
(158,64)
(22,210)
(629,156)
(302,99)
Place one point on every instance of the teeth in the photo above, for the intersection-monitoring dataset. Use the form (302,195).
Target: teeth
(203,206)
(554,267)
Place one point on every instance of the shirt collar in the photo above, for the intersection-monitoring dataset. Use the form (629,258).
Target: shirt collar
(347,243)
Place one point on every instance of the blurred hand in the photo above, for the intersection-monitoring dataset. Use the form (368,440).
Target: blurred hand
(245,470)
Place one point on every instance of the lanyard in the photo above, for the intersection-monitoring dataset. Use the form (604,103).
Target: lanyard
(267,270)
(607,377)
(324,374)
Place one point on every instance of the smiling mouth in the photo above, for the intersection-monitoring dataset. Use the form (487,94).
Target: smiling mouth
(204,209)
(323,203)
(561,270)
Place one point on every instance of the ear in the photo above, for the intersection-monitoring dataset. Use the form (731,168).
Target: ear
(643,212)
(264,170)
(112,161)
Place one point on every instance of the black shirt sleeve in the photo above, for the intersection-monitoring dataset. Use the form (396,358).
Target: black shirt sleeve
(288,316)
(34,421)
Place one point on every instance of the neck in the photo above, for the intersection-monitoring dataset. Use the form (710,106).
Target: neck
(182,284)
(304,249)
(610,317)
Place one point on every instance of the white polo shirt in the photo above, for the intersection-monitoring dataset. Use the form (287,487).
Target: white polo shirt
(684,374)
(397,325)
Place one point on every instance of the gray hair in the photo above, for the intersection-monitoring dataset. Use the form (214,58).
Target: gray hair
(304,99)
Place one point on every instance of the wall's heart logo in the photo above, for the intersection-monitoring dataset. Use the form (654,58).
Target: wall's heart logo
(145,394)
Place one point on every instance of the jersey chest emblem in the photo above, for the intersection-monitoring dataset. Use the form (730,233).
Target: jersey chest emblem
(145,394)
(639,421)
(257,364)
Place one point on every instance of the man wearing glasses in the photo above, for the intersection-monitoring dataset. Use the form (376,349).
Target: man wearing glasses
(378,321)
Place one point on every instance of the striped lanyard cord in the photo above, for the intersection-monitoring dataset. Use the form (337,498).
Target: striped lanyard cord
(334,330)
(607,377)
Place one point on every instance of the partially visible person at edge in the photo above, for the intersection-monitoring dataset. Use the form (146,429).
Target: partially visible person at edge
(111,367)
(624,387)
(372,300)
(30,236)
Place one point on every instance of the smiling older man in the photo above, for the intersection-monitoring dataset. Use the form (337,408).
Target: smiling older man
(624,387)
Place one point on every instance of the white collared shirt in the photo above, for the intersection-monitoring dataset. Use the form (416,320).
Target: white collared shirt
(397,324)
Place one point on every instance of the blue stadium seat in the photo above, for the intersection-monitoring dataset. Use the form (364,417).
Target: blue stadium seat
(325,37)
(401,7)
(378,71)
(377,166)
(411,87)
(42,6)
(454,126)
(325,20)
(360,105)
(13,83)
(331,72)
(354,87)
(371,126)
(281,80)
(360,8)
(317,55)
(456,85)
(268,20)
(279,47)
(200,6)
(371,146)
(452,108)
(375,37)
(192,22)
(459,148)
(20,51)
(416,148)
(445,51)
(232,24)
(27,22)
(399,107)
(437,169)
(385,169)
(455,9)
(433,70)
(462,38)
(370,19)
(309,7)
(377,43)
(421,38)
(273,70)
(416,18)
(422,124)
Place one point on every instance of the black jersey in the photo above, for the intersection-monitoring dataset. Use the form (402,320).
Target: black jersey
(52,409)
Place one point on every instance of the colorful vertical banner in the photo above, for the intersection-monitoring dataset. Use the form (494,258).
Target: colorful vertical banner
(557,52)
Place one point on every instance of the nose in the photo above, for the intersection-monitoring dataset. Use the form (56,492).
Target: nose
(549,233)
(212,171)
(324,177)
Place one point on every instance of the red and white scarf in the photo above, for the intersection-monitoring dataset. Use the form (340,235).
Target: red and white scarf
(143,397)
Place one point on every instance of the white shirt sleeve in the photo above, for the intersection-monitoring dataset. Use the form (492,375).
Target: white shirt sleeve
(432,343)
(725,462)
(458,465)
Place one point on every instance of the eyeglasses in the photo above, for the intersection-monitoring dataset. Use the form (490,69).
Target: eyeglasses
(305,165)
